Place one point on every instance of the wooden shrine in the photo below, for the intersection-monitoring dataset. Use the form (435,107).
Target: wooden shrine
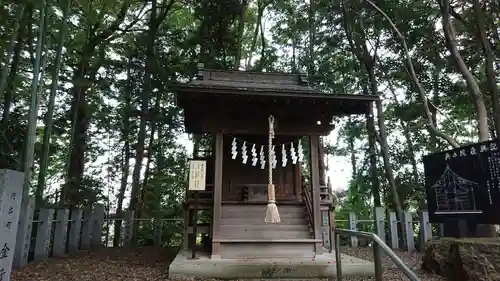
(239,110)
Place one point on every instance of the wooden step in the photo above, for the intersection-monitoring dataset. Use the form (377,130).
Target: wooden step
(260,221)
(267,226)
(265,241)
(255,208)
(246,249)
(260,214)
(248,233)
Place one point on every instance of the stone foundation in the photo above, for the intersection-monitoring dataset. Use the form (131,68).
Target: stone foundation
(463,259)
(320,267)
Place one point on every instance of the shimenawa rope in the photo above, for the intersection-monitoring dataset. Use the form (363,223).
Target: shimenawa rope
(272,214)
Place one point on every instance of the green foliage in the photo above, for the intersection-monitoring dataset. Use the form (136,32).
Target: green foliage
(98,105)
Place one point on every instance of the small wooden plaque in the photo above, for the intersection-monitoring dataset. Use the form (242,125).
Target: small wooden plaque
(197,174)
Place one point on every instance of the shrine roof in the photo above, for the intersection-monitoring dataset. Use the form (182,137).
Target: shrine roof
(235,100)
(260,84)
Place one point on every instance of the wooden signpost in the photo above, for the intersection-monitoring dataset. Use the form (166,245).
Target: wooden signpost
(197,182)
(197,175)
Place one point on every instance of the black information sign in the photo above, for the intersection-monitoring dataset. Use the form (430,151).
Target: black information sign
(464,183)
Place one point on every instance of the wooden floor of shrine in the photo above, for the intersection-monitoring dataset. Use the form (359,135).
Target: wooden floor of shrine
(141,264)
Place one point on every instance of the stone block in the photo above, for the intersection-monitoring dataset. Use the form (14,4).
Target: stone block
(463,259)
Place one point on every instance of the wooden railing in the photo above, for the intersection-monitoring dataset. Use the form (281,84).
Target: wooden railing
(326,203)
(307,198)
(325,195)
(195,201)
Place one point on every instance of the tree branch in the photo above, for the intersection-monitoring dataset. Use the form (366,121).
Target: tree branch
(431,127)
(113,27)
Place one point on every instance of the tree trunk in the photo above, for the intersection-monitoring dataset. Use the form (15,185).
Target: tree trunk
(147,172)
(262,47)
(352,152)
(10,49)
(7,79)
(421,91)
(241,34)
(145,96)
(260,12)
(50,110)
(126,156)
(359,49)
(372,139)
(79,126)
(474,89)
(384,148)
(310,64)
(5,149)
(409,143)
(80,117)
(33,108)
(489,59)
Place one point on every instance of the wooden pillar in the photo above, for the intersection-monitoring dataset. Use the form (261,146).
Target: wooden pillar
(297,182)
(217,193)
(315,187)
(321,163)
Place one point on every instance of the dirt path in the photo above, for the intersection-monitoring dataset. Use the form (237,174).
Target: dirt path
(151,264)
(391,272)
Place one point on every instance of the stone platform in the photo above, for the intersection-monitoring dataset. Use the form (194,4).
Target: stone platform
(322,266)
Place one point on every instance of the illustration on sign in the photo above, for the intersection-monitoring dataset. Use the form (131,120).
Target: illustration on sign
(454,193)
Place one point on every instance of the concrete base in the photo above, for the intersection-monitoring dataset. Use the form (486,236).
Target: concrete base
(322,266)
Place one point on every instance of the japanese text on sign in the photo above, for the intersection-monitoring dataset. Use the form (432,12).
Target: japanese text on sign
(197,174)
(492,147)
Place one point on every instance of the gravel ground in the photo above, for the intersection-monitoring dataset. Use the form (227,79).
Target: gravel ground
(391,272)
(151,264)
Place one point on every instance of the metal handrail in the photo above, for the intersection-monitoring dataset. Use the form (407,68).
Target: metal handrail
(377,260)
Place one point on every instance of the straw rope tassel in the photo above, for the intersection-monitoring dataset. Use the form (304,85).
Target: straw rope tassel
(272,214)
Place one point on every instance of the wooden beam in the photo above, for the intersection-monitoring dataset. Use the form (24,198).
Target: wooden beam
(316,198)
(252,127)
(216,220)
(306,95)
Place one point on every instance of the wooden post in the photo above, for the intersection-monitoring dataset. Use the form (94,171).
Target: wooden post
(23,238)
(187,219)
(43,235)
(380,222)
(74,230)
(11,184)
(195,225)
(128,224)
(97,224)
(408,223)
(60,231)
(86,228)
(393,222)
(217,193)
(353,225)
(332,226)
(315,188)
(425,229)
(325,226)
(158,230)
